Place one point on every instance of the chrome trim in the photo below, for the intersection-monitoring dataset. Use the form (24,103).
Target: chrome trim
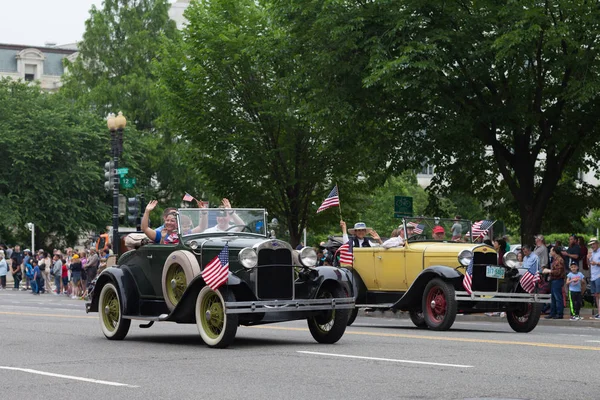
(273,244)
(503,297)
(244,307)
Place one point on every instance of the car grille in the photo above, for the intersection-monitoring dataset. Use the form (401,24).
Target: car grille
(274,274)
(481,282)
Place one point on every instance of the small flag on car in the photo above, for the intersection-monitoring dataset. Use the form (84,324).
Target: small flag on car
(188,197)
(418,228)
(216,271)
(468,279)
(331,201)
(346,256)
(481,228)
(530,278)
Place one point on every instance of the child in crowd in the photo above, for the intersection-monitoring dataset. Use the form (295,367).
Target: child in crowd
(574,280)
(29,272)
(36,277)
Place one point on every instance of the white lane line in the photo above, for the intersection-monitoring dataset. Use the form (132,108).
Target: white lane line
(386,359)
(75,378)
(593,341)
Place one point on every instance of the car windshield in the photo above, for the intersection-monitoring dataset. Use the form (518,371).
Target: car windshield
(438,229)
(220,220)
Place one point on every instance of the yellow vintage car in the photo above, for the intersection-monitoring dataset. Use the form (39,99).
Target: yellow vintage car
(426,277)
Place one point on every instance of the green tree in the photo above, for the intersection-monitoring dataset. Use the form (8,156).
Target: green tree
(50,171)
(501,95)
(232,86)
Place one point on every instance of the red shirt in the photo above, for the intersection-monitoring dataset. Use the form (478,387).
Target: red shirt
(65,271)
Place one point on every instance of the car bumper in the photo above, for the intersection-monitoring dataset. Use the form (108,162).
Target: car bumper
(503,297)
(272,306)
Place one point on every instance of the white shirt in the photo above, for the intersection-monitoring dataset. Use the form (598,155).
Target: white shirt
(217,229)
(393,242)
(595,269)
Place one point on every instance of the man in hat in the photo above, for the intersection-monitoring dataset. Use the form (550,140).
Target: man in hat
(438,233)
(227,220)
(359,232)
(594,263)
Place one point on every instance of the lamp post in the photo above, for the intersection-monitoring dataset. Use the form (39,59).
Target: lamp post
(31,227)
(116,126)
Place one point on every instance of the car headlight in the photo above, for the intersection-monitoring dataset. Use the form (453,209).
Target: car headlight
(248,257)
(308,257)
(465,257)
(193,245)
(510,260)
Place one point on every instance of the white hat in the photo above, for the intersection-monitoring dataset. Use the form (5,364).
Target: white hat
(358,226)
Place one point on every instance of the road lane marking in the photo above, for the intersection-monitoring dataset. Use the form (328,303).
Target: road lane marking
(593,341)
(386,359)
(47,315)
(75,378)
(447,338)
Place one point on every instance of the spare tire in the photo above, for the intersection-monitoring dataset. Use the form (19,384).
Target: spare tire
(180,269)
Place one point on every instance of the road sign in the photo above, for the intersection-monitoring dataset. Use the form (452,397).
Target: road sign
(128,183)
(122,171)
(403,206)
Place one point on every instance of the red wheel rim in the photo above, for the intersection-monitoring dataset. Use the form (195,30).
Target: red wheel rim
(436,304)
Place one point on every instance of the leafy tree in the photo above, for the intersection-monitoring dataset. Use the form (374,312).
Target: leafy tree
(232,83)
(501,95)
(50,170)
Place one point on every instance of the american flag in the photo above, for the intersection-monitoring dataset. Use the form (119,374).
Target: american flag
(529,278)
(216,271)
(418,228)
(331,201)
(346,256)
(481,228)
(188,197)
(468,279)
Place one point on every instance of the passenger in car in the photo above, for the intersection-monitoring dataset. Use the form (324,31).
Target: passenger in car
(360,231)
(227,220)
(168,234)
(438,233)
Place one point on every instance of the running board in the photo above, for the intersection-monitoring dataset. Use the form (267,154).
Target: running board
(162,317)
(379,305)
(503,297)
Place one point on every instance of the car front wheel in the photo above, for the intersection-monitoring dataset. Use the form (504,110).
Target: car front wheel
(524,317)
(216,327)
(439,305)
(353,315)
(113,325)
(329,326)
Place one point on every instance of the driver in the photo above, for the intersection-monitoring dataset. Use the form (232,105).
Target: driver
(227,220)
(438,233)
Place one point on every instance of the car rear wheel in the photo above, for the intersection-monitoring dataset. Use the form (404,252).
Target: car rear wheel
(353,315)
(439,305)
(329,326)
(216,327)
(417,318)
(524,317)
(179,270)
(113,325)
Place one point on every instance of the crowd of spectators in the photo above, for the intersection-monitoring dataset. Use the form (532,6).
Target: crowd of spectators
(61,272)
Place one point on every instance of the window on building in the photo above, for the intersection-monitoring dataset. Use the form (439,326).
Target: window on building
(30,72)
(427,169)
(29,77)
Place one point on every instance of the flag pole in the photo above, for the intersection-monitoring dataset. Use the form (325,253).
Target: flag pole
(339,201)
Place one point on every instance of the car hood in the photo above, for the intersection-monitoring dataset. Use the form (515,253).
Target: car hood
(436,253)
(235,242)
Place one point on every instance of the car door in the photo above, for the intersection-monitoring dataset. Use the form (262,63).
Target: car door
(390,268)
(364,265)
(149,264)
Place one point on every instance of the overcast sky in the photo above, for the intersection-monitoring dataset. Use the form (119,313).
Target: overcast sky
(35,22)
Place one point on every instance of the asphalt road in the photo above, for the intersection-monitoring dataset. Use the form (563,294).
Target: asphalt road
(52,349)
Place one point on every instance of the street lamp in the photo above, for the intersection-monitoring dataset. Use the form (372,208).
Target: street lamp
(116,126)
(31,227)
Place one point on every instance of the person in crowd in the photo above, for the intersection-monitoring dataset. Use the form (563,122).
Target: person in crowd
(456,229)
(359,232)
(571,254)
(3,270)
(500,247)
(57,272)
(27,262)
(168,234)
(594,263)
(583,255)
(16,259)
(557,281)
(103,240)
(575,279)
(91,267)
(541,251)
(36,277)
(76,268)
(47,268)
(530,259)
(65,277)
(519,258)
(438,233)
(507,240)
(83,258)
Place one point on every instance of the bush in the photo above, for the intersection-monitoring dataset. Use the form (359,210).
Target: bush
(564,238)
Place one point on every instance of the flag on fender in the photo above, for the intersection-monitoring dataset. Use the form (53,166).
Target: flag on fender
(216,271)
(346,254)
(468,279)
(530,278)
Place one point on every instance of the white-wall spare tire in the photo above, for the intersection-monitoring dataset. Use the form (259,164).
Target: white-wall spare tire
(180,269)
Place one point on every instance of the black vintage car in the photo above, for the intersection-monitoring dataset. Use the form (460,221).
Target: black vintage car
(267,282)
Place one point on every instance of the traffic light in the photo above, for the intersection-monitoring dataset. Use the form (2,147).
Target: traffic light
(109,175)
(133,209)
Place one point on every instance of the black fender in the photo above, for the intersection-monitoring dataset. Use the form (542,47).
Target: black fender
(332,275)
(184,312)
(359,289)
(412,298)
(125,284)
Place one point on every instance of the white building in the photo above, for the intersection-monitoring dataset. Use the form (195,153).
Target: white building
(176,12)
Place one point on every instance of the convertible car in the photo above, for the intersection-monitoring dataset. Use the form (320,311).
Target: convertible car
(436,275)
(266,282)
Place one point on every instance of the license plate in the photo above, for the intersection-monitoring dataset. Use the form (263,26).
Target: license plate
(494,272)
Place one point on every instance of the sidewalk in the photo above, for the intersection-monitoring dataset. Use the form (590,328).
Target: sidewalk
(587,321)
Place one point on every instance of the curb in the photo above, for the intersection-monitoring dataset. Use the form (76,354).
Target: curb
(588,320)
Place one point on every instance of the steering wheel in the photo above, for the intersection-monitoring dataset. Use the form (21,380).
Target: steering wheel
(417,237)
(244,227)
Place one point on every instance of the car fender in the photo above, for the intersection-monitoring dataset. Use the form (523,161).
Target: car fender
(412,298)
(125,284)
(338,276)
(359,289)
